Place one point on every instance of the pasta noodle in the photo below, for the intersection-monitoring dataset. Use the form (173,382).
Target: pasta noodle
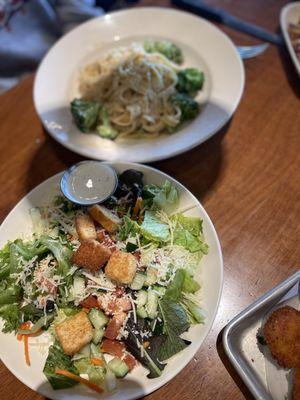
(135,87)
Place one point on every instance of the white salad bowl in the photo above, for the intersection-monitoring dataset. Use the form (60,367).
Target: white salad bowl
(18,224)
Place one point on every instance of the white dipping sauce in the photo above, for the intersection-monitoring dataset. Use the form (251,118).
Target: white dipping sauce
(89,182)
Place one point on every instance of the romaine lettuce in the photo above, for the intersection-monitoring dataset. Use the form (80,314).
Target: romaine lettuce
(10,314)
(166,198)
(61,252)
(129,228)
(188,233)
(153,229)
(58,359)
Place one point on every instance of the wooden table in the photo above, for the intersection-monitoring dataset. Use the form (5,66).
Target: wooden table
(247,177)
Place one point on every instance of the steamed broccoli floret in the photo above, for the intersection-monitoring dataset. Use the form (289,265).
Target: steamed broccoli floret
(190,80)
(188,106)
(168,49)
(85,114)
(105,129)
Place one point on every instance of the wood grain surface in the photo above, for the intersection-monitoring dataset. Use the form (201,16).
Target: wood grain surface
(247,177)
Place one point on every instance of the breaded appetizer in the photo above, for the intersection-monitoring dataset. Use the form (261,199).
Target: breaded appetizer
(296,387)
(282,335)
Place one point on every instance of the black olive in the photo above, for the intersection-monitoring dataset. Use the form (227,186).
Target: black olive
(111,202)
(136,190)
(121,191)
(50,305)
(131,176)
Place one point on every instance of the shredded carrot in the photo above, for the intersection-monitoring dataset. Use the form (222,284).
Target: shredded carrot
(26,350)
(19,336)
(25,325)
(137,206)
(97,361)
(77,378)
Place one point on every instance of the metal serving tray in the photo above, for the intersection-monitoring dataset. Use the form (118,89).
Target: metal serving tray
(240,339)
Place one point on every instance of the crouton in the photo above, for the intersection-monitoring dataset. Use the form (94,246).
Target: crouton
(91,255)
(74,333)
(121,267)
(85,227)
(104,238)
(105,217)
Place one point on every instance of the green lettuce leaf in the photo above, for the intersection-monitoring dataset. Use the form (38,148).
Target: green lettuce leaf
(153,229)
(4,262)
(58,359)
(148,194)
(10,295)
(188,233)
(61,252)
(183,285)
(175,323)
(189,284)
(128,228)
(191,224)
(30,249)
(194,312)
(31,313)
(183,282)
(10,314)
(166,198)
(149,356)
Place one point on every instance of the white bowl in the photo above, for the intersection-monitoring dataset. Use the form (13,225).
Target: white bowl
(136,384)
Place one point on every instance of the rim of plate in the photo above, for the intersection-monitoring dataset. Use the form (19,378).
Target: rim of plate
(151,157)
(175,370)
(285,17)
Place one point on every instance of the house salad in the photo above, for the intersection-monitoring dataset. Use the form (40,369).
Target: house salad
(112,283)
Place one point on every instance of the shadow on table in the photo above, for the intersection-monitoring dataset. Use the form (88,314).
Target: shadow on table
(50,158)
(128,386)
(199,168)
(291,74)
(232,372)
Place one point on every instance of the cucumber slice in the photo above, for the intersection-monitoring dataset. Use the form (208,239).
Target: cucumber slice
(138,281)
(141,298)
(78,356)
(98,335)
(141,312)
(160,290)
(95,351)
(97,318)
(152,304)
(151,277)
(86,351)
(118,367)
(110,381)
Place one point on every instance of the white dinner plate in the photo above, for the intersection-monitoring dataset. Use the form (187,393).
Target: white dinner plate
(204,47)
(136,384)
(290,13)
